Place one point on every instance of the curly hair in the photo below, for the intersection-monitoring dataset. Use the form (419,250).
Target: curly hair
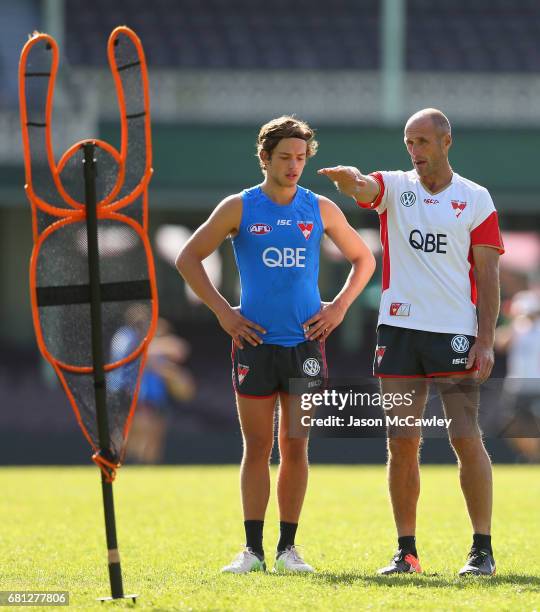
(286,126)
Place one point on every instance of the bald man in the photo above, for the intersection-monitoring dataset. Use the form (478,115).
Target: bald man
(436,227)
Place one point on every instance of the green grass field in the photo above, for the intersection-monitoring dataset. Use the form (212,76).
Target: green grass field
(178,525)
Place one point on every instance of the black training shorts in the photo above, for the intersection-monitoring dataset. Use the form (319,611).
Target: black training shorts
(262,371)
(411,353)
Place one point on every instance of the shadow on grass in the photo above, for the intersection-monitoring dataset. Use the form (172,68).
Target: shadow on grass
(528,582)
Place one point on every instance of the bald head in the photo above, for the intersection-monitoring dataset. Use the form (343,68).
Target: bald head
(428,139)
(438,119)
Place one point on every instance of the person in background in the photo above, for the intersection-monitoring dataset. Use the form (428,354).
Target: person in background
(520,339)
(165,382)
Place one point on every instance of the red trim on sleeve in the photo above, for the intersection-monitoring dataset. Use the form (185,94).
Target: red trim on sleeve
(386,250)
(379,178)
(472,280)
(488,233)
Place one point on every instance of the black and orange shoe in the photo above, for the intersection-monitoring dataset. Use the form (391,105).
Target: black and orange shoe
(403,563)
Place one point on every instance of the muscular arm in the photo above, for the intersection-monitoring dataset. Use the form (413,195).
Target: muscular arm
(350,181)
(356,251)
(223,221)
(486,260)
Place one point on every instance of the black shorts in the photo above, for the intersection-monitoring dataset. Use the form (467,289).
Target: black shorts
(264,370)
(411,353)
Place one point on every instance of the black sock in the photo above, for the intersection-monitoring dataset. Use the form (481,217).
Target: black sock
(254,536)
(408,545)
(287,531)
(482,542)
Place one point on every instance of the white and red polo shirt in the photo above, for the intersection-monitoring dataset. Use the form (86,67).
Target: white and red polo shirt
(428,282)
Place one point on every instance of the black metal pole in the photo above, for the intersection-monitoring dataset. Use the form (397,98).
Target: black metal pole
(115,572)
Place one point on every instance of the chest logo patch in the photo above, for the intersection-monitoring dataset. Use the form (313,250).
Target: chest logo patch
(259,229)
(306,227)
(407,198)
(458,207)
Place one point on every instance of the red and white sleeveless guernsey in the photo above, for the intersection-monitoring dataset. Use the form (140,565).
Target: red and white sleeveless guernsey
(428,282)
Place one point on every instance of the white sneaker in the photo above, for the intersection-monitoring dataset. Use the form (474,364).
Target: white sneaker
(290,561)
(246,561)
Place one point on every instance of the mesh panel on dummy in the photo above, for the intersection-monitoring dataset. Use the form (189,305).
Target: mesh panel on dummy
(129,71)
(121,384)
(106,176)
(38,71)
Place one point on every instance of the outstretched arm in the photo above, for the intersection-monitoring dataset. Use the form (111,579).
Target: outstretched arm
(350,181)
(356,251)
(223,221)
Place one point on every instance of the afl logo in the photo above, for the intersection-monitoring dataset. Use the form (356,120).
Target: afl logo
(311,366)
(460,344)
(259,229)
(407,198)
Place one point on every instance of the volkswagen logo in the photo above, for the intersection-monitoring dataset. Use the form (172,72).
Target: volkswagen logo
(460,344)
(311,366)
(407,198)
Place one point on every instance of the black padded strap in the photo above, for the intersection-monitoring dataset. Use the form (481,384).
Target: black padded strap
(80,294)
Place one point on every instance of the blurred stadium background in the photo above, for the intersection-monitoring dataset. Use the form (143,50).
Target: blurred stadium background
(355,69)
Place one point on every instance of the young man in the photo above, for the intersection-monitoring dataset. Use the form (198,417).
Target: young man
(435,228)
(280,327)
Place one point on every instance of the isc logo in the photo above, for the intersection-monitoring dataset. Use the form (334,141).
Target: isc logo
(284,258)
(284,222)
(259,229)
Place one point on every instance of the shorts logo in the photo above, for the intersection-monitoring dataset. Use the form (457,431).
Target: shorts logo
(460,361)
(306,227)
(259,229)
(400,309)
(311,366)
(407,198)
(379,353)
(458,207)
(460,344)
(242,372)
